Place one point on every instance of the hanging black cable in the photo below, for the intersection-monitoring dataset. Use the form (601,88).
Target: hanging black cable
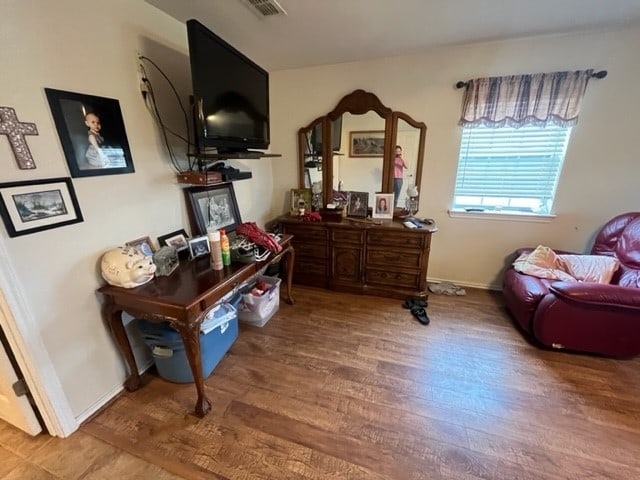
(152,106)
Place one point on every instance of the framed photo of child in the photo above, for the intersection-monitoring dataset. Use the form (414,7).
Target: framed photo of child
(92,133)
(300,199)
(383,205)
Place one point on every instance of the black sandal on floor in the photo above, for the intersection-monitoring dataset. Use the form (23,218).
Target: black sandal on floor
(414,302)
(421,314)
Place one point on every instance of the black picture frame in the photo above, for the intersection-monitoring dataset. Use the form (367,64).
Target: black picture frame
(177,240)
(358,204)
(212,207)
(73,113)
(37,205)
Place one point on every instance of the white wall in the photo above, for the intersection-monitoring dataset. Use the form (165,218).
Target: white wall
(601,171)
(91,48)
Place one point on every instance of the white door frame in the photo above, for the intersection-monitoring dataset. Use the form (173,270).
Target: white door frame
(28,348)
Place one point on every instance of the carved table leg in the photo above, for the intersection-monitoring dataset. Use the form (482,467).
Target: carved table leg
(190,332)
(114,317)
(288,259)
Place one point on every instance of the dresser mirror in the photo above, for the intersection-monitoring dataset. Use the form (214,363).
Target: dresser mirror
(359,137)
(410,136)
(310,153)
(353,167)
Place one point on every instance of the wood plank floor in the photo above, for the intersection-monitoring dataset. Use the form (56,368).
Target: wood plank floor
(352,387)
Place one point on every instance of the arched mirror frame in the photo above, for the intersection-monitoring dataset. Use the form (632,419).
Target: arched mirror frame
(422,127)
(359,102)
(304,146)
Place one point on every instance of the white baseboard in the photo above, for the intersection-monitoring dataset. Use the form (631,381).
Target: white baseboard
(107,397)
(481,286)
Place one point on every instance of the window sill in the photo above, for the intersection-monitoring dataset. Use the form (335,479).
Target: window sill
(503,216)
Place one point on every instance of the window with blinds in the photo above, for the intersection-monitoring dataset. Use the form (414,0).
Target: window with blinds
(509,169)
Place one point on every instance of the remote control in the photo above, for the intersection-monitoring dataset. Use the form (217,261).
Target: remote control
(408,224)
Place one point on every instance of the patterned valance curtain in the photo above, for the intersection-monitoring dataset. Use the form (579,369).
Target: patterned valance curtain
(518,100)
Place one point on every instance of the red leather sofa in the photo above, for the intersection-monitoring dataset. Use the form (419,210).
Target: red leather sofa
(583,316)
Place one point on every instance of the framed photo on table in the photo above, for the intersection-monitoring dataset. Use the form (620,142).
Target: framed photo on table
(177,240)
(36,205)
(92,134)
(367,143)
(383,205)
(300,198)
(212,207)
(357,204)
(199,246)
(143,245)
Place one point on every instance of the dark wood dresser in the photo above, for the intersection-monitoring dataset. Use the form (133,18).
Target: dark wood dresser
(387,260)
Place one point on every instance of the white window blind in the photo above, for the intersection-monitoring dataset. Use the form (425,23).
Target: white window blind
(510,169)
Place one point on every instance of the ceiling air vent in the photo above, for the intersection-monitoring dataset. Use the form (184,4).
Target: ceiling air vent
(265,8)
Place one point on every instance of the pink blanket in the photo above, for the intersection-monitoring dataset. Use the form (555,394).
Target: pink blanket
(545,263)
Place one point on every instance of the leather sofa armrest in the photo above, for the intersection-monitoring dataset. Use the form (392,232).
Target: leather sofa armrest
(597,294)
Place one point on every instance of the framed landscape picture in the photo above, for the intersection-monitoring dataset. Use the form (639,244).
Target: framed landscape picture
(92,134)
(37,205)
(369,143)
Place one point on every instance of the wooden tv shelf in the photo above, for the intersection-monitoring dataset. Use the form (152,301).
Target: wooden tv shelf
(200,178)
(232,155)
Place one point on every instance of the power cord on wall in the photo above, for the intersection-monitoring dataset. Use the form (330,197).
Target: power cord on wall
(148,95)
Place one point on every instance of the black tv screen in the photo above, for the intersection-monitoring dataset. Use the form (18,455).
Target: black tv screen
(231,94)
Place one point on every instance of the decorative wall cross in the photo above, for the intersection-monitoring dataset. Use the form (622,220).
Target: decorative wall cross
(15,132)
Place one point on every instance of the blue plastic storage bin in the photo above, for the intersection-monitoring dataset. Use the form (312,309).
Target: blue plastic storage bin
(219,331)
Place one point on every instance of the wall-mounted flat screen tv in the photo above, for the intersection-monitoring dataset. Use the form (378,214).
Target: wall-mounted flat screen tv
(231,94)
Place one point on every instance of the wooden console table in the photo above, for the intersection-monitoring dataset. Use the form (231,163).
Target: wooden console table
(183,298)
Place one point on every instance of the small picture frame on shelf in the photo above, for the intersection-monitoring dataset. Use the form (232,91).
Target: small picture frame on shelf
(143,245)
(383,206)
(199,246)
(177,240)
(357,204)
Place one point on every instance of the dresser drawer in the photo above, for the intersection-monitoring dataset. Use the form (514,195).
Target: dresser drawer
(303,232)
(310,268)
(340,235)
(310,250)
(392,278)
(410,258)
(398,238)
